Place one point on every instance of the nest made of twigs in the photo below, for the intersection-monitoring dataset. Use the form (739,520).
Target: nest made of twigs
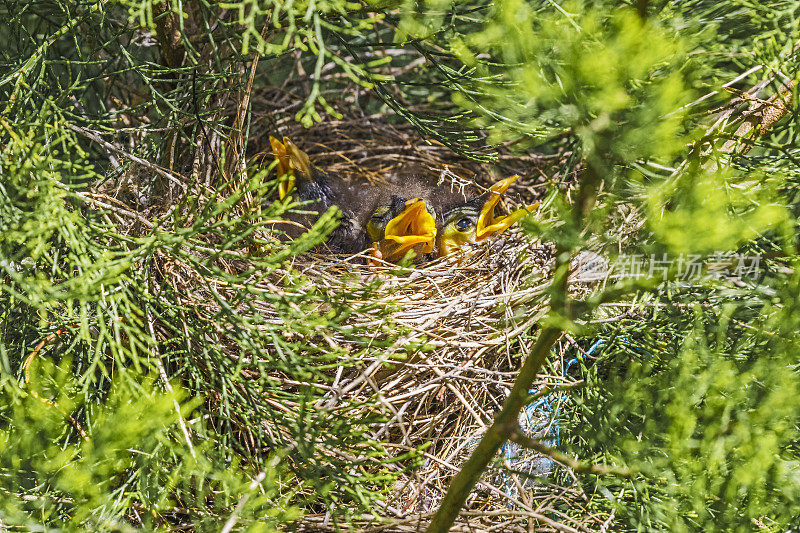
(475,311)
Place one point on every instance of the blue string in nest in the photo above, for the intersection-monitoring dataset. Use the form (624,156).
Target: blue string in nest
(539,420)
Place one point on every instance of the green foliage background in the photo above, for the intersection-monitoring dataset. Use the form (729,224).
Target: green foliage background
(695,393)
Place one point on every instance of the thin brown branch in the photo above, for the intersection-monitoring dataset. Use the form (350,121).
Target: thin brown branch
(762,115)
(26,372)
(168,34)
(147,164)
(495,436)
(585,468)
(641,7)
(237,161)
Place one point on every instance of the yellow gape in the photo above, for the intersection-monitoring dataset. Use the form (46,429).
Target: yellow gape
(290,159)
(413,229)
(469,223)
(488,224)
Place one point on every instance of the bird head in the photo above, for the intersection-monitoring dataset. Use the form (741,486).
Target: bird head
(292,163)
(401,226)
(475,220)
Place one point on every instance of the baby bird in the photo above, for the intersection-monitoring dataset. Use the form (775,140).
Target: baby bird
(459,217)
(407,211)
(372,213)
(400,227)
(475,220)
(322,191)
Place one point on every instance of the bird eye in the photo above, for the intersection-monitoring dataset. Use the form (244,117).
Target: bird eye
(463,224)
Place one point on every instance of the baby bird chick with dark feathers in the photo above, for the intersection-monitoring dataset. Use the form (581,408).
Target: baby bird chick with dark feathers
(474,220)
(460,217)
(402,226)
(371,212)
(321,191)
(408,210)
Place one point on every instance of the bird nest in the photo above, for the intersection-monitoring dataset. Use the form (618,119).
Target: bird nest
(473,314)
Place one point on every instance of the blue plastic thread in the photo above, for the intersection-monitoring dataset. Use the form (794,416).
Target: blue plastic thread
(534,425)
(544,405)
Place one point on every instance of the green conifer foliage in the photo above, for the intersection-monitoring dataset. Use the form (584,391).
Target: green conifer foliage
(695,396)
(234,429)
(166,365)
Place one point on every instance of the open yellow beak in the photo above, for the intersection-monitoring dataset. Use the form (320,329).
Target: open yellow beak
(488,223)
(290,159)
(283,168)
(413,226)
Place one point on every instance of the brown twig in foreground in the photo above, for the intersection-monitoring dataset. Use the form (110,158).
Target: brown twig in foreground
(586,468)
(26,373)
(495,436)
(759,118)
